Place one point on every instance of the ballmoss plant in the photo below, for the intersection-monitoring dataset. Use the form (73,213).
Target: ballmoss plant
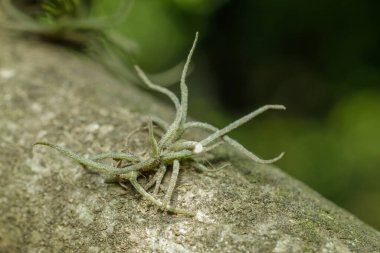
(74,24)
(67,21)
(171,150)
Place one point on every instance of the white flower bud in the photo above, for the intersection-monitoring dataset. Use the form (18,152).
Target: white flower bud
(198,148)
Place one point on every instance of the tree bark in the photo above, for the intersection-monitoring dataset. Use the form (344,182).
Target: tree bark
(48,203)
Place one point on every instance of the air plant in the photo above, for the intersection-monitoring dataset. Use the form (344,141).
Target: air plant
(69,21)
(171,150)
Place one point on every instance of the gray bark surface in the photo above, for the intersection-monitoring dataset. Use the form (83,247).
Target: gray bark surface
(49,203)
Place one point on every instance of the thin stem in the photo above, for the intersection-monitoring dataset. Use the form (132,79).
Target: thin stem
(184,89)
(158,88)
(171,133)
(158,203)
(232,142)
(157,121)
(239,122)
(117,156)
(183,144)
(152,140)
(213,146)
(202,168)
(248,153)
(100,167)
(133,132)
(157,179)
(170,156)
(173,181)
(160,175)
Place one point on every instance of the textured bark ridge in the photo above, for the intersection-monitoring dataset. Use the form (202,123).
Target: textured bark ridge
(50,204)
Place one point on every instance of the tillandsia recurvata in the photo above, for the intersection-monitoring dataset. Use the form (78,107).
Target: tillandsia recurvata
(170,151)
(77,24)
(69,21)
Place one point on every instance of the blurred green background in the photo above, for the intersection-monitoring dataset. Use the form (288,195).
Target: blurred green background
(321,59)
